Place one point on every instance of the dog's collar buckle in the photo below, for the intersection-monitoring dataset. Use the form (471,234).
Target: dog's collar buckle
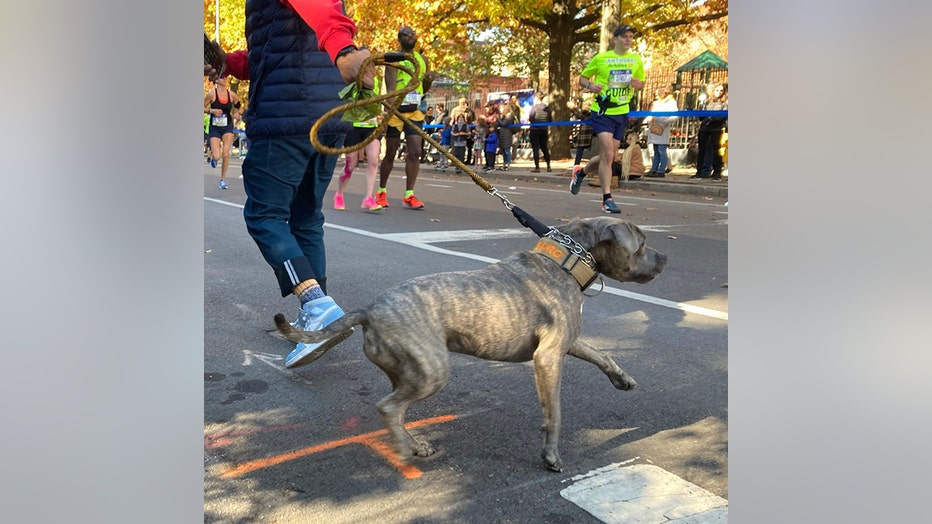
(571,262)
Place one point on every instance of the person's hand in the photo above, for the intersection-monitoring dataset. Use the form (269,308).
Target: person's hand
(350,63)
(637,84)
(595,88)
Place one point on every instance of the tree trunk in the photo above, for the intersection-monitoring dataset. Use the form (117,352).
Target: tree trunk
(611,16)
(561,54)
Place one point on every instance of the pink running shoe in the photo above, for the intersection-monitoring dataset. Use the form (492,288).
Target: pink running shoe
(370,205)
(338,201)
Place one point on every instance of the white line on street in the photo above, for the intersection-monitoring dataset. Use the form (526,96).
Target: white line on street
(425,237)
(417,240)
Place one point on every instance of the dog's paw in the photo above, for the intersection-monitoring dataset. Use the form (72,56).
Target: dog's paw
(552,459)
(422,448)
(622,381)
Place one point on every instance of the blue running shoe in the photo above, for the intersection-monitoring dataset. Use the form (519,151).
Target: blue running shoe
(223,184)
(314,316)
(609,206)
(213,163)
(578,175)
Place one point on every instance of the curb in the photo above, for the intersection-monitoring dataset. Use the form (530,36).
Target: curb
(675,182)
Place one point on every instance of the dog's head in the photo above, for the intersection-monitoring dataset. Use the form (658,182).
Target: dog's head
(618,247)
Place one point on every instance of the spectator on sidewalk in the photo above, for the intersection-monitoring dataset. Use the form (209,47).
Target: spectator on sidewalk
(446,135)
(458,134)
(540,114)
(506,134)
(491,146)
(658,131)
(709,163)
(479,134)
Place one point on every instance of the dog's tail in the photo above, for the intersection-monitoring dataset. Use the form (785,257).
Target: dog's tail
(353,318)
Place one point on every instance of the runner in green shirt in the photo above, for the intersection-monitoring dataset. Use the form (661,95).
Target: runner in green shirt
(612,76)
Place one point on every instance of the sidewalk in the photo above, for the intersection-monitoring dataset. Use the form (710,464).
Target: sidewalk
(676,181)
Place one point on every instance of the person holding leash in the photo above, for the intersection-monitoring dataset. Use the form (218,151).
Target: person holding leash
(612,76)
(299,55)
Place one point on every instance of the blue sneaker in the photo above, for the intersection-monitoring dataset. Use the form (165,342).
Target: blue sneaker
(609,206)
(223,184)
(578,175)
(314,316)
(213,163)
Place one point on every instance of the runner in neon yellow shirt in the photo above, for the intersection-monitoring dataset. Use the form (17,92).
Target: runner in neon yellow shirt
(612,76)
(396,79)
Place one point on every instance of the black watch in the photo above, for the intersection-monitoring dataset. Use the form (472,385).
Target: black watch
(346,50)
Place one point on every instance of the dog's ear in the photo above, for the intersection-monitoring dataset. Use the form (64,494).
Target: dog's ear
(628,236)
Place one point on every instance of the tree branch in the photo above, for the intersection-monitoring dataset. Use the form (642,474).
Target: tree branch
(683,21)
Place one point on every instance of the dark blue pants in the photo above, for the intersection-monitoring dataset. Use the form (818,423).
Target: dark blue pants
(285,180)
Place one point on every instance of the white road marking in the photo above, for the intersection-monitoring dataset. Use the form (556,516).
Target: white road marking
(599,201)
(270,360)
(644,494)
(420,240)
(426,237)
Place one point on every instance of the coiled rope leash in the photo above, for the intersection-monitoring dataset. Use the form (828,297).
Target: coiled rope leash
(573,254)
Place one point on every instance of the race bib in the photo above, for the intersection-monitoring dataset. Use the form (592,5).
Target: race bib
(219,120)
(619,77)
(413,97)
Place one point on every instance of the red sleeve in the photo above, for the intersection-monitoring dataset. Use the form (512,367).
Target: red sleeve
(334,29)
(238,64)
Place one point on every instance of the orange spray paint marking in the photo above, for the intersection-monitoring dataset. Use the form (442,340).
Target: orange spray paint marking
(367,439)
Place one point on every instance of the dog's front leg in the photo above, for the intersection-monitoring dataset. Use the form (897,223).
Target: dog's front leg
(619,378)
(548,367)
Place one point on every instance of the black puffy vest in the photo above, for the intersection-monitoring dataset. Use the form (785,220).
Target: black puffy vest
(291,82)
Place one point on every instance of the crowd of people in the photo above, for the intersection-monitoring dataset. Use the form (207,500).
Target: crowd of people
(300,54)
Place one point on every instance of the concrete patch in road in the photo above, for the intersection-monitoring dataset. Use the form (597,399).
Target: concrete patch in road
(644,494)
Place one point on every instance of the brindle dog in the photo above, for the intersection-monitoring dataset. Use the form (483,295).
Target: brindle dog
(525,307)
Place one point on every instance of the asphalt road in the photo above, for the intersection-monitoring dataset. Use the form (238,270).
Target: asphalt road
(304,445)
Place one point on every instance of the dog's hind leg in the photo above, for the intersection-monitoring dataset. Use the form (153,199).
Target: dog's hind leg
(413,379)
(619,378)
(548,368)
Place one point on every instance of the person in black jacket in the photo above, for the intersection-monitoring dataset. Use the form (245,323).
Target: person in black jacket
(299,55)
(709,163)
(540,114)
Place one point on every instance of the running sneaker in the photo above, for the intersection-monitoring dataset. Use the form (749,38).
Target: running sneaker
(576,181)
(338,202)
(314,316)
(381,198)
(609,206)
(223,184)
(412,202)
(369,204)
(213,163)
